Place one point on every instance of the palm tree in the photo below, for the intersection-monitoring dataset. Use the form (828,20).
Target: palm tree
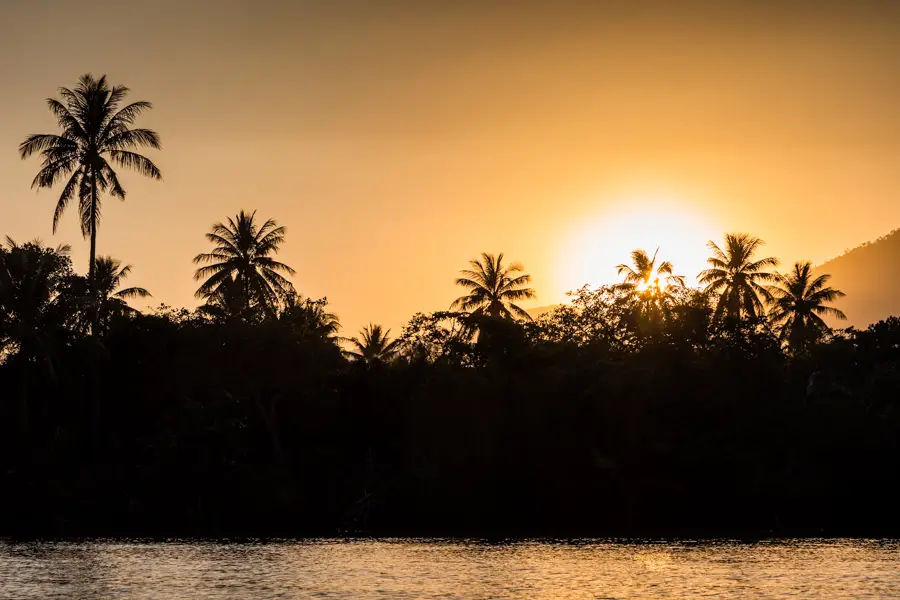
(494,288)
(735,278)
(242,255)
(643,278)
(798,304)
(650,289)
(95,129)
(373,345)
(108,300)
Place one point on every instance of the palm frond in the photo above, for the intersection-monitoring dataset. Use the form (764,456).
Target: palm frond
(133,292)
(136,162)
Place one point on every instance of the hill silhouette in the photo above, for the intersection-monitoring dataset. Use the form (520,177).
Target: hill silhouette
(868,275)
(537,311)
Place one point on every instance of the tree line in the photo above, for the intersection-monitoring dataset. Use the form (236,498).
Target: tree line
(642,407)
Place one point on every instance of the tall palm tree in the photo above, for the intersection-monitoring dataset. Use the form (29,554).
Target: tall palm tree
(95,129)
(242,254)
(799,303)
(735,278)
(373,346)
(108,300)
(494,288)
(643,277)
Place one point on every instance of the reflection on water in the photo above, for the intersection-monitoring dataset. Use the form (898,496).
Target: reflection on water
(451,569)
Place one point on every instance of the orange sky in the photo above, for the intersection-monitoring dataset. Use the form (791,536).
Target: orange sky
(396,140)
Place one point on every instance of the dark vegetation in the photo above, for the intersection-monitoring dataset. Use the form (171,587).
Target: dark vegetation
(642,408)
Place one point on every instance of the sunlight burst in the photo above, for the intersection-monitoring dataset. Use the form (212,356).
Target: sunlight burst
(651,285)
(605,239)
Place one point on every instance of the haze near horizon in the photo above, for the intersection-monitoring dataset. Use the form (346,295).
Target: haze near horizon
(398,140)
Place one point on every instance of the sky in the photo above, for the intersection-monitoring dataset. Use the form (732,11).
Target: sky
(398,140)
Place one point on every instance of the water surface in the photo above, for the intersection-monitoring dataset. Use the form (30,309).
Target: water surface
(450,569)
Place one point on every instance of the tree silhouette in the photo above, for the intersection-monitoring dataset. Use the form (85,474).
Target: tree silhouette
(227,304)
(645,274)
(108,301)
(31,280)
(798,304)
(242,254)
(494,288)
(735,278)
(33,313)
(438,337)
(95,129)
(373,346)
(308,317)
(648,298)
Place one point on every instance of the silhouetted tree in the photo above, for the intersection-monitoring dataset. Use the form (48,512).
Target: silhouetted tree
(645,274)
(227,303)
(95,129)
(735,279)
(439,337)
(308,317)
(109,301)
(242,254)
(31,306)
(494,288)
(594,316)
(33,312)
(798,304)
(649,298)
(373,345)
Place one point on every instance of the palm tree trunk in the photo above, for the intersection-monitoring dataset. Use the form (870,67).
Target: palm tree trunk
(92,286)
(93,229)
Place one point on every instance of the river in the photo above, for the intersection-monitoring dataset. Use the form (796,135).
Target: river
(463,569)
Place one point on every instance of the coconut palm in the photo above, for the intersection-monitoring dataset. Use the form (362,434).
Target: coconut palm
(373,345)
(650,289)
(642,278)
(735,279)
(494,288)
(242,254)
(95,129)
(108,300)
(798,305)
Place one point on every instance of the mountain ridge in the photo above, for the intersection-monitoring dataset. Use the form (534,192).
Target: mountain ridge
(870,276)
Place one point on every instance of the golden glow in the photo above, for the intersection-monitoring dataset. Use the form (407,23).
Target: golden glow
(652,285)
(397,143)
(644,221)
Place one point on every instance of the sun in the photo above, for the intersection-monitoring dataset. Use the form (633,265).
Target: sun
(651,285)
(605,239)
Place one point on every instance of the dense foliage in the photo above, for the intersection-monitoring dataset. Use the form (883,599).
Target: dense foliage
(599,417)
(645,407)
